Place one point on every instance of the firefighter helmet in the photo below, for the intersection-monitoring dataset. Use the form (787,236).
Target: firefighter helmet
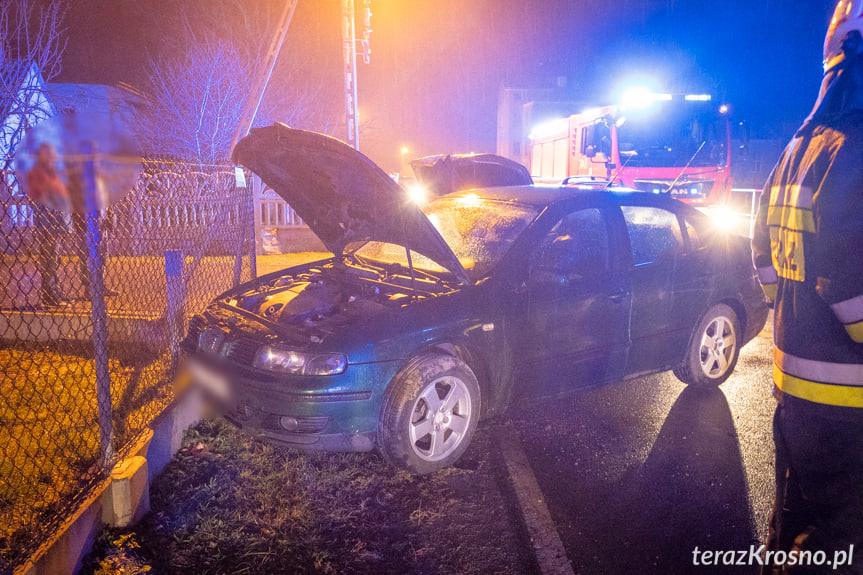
(847,17)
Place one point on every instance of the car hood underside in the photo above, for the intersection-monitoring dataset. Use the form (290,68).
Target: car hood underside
(341,194)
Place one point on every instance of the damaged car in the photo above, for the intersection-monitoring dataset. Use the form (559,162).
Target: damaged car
(426,320)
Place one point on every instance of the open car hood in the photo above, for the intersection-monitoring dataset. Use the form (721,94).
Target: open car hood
(342,195)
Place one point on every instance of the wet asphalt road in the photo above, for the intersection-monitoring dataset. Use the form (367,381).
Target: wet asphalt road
(637,474)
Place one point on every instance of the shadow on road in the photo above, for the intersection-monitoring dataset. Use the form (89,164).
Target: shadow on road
(691,491)
(619,512)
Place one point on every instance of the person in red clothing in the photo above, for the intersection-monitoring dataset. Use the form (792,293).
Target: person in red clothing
(51,221)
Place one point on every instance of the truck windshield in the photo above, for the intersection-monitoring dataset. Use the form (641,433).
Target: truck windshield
(669,135)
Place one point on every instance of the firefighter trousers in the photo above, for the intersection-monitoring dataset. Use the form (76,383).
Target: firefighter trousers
(819,487)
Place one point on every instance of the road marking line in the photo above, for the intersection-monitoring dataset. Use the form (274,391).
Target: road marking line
(550,554)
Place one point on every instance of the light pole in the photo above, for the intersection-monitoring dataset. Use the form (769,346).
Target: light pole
(350,72)
(403,165)
(349,51)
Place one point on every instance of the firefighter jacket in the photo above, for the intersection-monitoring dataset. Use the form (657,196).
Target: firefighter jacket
(808,253)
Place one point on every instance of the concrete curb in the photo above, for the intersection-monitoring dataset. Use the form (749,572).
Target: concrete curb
(547,546)
(121,499)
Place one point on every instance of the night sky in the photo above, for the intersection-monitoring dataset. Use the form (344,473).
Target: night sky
(438,65)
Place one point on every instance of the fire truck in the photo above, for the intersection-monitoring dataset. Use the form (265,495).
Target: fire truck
(676,144)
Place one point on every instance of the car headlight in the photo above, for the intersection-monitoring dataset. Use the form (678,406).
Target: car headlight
(286,360)
(723,218)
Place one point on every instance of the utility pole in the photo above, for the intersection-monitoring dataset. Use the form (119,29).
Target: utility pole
(251,221)
(349,50)
(260,82)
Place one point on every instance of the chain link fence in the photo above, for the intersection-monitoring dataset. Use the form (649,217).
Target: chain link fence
(182,235)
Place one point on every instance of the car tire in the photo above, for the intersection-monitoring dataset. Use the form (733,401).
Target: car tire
(430,414)
(713,349)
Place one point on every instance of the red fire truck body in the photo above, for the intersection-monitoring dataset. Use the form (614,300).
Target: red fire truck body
(675,144)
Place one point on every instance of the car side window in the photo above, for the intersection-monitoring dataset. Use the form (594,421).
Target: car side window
(654,234)
(576,247)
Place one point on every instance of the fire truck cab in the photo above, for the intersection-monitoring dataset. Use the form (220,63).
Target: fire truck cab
(674,144)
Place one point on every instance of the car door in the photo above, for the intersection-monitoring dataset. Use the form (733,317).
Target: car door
(695,277)
(577,329)
(657,274)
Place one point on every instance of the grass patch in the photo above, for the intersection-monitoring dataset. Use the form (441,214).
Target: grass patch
(48,411)
(50,434)
(228,503)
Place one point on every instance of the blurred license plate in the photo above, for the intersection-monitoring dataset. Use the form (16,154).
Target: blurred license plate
(211,382)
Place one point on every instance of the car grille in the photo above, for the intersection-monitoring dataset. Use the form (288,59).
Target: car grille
(214,340)
(190,342)
(681,189)
(242,351)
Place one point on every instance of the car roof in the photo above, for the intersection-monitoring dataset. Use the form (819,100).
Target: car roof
(540,196)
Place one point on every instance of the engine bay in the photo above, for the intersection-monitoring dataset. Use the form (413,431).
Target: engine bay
(334,293)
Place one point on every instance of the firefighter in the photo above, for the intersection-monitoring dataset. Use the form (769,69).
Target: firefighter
(808,253)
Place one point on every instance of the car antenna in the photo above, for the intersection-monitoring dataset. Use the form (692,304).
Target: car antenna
(413,277)
(617,173)
(680,175)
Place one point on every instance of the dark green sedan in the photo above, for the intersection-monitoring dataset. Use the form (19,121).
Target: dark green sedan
(429,319)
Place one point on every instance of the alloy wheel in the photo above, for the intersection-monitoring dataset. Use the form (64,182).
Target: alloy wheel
(440,418)
(718,343)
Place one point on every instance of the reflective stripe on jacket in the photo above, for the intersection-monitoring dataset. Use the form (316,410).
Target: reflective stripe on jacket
(819,381)
(808,251)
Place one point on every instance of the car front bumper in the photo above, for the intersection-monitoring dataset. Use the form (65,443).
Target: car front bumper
(334,413)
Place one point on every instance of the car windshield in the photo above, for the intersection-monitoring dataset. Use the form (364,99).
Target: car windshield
(478,231)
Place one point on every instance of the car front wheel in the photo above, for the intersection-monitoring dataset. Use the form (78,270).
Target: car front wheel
(430,414)
(713,349)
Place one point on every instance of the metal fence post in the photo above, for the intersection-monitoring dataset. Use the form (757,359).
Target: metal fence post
(98,311)
(241,241)
(175,293)
(251,229)
(245,233)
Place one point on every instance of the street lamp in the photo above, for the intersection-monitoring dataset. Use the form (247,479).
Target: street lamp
(402,164)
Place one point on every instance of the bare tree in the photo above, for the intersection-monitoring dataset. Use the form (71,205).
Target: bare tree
(30,55)
(197,100)
(195,103)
